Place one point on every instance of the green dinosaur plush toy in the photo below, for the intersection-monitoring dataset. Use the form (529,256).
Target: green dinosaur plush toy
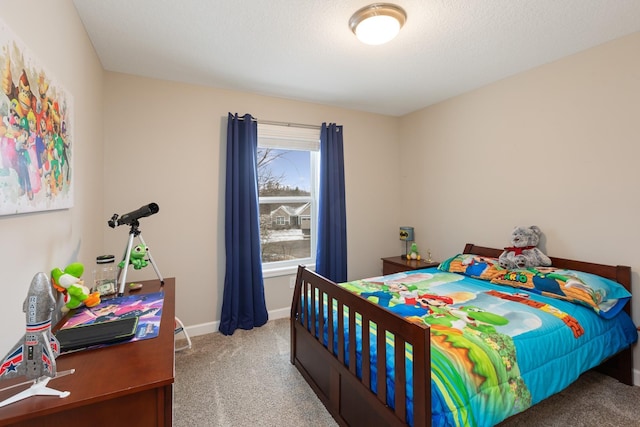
(70,283)
(413,252)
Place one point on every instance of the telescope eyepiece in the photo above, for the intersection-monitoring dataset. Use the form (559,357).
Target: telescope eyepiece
(113,222)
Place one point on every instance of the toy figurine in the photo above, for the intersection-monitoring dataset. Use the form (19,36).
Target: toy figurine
(524,253)
(413,253)
(135,286)
(70,283)
(136,257)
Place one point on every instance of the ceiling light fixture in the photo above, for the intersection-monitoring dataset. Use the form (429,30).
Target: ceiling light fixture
(377,23)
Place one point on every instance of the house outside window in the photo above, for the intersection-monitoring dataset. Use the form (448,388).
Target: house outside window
(288,168)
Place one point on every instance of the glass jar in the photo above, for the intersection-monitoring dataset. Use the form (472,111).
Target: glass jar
(104,275)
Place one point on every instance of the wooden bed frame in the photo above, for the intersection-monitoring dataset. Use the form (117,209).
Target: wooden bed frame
(350,399)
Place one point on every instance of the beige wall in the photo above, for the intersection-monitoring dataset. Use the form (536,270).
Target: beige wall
(556,147)
(165,143)
(538,148)
(40,241)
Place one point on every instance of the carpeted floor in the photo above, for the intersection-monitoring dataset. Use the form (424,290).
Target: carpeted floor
(246,380)
(593,400)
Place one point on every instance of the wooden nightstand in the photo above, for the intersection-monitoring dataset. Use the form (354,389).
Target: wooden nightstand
(398,264)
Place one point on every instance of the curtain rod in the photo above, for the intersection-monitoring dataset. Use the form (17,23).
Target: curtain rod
(294,125)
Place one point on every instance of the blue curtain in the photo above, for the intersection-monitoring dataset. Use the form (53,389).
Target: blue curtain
(331,255)
(243,303)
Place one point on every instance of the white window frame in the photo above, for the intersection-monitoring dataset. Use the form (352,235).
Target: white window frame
(294,138)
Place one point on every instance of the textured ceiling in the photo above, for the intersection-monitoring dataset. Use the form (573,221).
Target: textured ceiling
(304,50)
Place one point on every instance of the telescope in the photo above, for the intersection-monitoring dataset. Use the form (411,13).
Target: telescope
(133,216)
(131,219)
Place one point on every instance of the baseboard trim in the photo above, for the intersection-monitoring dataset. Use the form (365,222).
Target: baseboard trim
(212,327)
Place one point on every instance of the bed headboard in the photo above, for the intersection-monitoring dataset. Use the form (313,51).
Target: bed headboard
(619,273)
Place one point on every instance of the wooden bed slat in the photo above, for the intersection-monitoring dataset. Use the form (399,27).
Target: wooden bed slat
(340,333)
(321,319)
(330,326)
(381,365)
(400,358)
(422,381)
(366,349)
(352,342)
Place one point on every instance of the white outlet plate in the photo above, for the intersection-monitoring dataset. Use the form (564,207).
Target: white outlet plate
(292,282)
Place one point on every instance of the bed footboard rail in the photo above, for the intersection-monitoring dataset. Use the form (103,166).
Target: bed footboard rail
(329,365)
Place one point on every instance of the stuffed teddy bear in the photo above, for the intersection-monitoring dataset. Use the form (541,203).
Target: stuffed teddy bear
(524,252)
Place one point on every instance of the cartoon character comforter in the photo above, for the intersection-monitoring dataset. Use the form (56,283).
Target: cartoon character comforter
(495,350)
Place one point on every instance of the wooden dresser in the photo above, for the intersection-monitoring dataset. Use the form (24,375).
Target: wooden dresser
(129,384)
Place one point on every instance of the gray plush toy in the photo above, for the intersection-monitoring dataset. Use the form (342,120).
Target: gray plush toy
(524,252)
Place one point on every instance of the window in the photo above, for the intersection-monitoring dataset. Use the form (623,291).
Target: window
(288,168)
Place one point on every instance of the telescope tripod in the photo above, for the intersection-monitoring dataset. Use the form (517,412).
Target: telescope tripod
(133,232)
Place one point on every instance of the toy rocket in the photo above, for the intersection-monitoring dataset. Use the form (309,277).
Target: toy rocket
(34,354)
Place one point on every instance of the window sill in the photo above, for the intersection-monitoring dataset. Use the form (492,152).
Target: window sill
(283,271)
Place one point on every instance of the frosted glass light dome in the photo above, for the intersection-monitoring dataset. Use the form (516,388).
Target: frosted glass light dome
(377,23)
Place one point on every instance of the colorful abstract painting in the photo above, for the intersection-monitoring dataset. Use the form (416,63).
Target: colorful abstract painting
(36,137)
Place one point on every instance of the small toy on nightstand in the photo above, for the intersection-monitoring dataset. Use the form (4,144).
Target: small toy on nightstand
(135,286)
(413,252)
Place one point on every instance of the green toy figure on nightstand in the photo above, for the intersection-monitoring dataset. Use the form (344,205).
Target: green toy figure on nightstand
(413,253)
